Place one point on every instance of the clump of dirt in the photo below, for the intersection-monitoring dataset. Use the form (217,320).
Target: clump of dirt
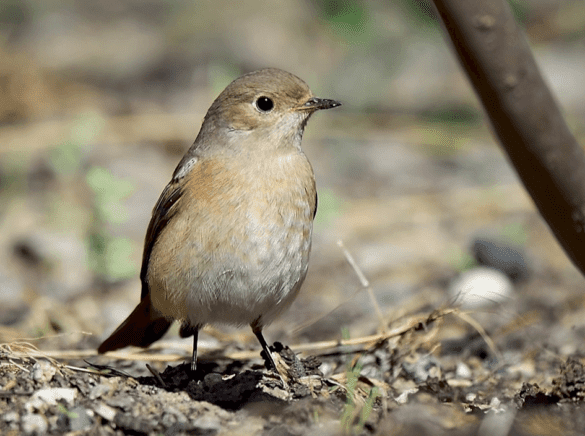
(571,383)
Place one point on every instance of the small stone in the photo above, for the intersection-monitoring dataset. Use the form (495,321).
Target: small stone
(481,288)
(106,412)
(122,402)
(34,424)
(500,423)
(50,397)
(10,417)
(168,420)
(99,391)
(207,425)
(212,378)
(422,368)
(463,371)
(43,371)
(403,397)
(505,257)
(79,419)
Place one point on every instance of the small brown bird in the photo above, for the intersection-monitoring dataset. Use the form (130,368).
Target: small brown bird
(230,235)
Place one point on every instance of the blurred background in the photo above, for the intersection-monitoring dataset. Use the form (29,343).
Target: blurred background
(99,100)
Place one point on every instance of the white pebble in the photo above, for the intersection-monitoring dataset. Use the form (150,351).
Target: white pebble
(43,371)
(481,288)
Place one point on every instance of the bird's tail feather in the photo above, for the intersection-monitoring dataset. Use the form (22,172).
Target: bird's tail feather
(144,326)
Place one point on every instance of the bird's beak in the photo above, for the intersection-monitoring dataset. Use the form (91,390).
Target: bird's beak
(315,104)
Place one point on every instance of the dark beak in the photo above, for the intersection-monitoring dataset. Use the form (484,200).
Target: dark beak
(316,104)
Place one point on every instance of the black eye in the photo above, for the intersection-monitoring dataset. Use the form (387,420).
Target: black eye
(264,104)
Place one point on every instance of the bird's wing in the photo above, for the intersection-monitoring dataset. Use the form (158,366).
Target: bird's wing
(163,212)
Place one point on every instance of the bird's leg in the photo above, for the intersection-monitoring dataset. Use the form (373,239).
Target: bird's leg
(271,365)
(186,331)
(194,355)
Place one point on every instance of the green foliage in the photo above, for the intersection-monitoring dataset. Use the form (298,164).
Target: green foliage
(66,158)
(220,75)
(520,10)
(349,19)
(454,115)
(352,376)
(63,410)
(110,256)
(515,233)
(349,411)
(13,169)
(109,191)
(367,409)
(345,333)
(422,11)
(41,331)
(460,260)
(349,13)
(329,206)
(348,416)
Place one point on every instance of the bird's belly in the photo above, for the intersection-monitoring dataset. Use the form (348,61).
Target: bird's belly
(257,280)
(246,268)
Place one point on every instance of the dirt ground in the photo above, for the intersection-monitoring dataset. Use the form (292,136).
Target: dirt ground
(401,382)
(437,302)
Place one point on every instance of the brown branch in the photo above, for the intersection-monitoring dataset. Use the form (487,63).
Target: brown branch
(524,115)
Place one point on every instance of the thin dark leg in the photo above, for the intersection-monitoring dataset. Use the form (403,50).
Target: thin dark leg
(194,356)
(270,361)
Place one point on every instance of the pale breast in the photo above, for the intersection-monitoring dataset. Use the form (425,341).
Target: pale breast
(240,251)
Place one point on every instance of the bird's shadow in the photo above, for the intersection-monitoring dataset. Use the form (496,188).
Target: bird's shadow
(233,390)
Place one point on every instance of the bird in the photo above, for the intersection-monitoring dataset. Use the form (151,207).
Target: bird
(229,238)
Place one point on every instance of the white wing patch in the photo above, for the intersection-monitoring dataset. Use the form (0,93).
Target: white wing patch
(185,168)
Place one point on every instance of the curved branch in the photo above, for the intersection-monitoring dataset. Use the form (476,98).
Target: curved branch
(524,115)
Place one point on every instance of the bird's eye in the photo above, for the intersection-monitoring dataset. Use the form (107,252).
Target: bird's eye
(264,104)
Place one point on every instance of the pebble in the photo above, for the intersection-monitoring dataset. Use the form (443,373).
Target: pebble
(206,425)
(79,419)
(43,371)
(403,397)
(34,424)
(99,391)
(463,371)
(106,412)
(50,397)
(10,417)
(481,288)
(502,256)
(422,368)
(212,378)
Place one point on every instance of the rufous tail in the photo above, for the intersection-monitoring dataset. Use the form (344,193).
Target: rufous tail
(144,326)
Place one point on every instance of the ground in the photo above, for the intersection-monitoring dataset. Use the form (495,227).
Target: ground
(437,301)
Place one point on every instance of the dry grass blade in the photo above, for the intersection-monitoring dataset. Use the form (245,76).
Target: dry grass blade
(156,375)
(25,352)
(365,284)
(412,323)
(490,343)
